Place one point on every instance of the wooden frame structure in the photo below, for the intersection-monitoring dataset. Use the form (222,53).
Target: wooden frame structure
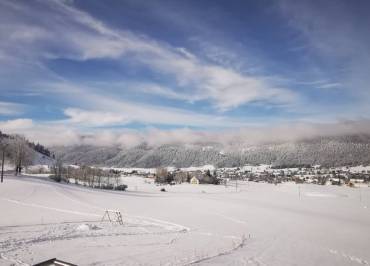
(112,216)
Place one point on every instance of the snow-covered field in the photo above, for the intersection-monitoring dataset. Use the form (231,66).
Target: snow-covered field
(258,224)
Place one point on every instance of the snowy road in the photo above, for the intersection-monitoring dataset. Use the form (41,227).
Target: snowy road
(204,225)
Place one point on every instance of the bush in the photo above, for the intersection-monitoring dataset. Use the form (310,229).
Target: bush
(109,187)
(56,178)
(121,187)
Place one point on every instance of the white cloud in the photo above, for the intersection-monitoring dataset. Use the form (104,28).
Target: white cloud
(94,118)
(329,85)
(59,30)
(16,125)
(47,133)
(56,134)
(156,89)
(8,108)
(56,29)
(99,109)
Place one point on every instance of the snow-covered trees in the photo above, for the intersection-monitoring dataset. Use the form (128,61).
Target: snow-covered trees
(326,151)
(15,149)
(87,176)
(21,153)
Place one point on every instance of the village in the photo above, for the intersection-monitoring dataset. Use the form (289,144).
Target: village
(307,174)
(351,176)
(109,178)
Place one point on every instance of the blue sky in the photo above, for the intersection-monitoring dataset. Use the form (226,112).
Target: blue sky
(116,70)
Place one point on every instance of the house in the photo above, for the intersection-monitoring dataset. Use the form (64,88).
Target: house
(149,175)
(356,180)
(204,178)
(55,262)
(194,181)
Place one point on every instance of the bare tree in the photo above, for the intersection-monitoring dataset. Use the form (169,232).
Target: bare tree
(161,175)
(2,164)
(58,169)
(22,154)
(100,173)
(3,147)
(108,178)
(117,178)
(93,173)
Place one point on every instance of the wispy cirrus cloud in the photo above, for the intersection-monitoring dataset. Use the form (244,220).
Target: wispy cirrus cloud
(59,30)
(94,118)
(336,38)
(99,109)
(10,108)
(42,44)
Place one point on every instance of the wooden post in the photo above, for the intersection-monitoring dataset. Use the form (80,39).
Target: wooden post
(2,166)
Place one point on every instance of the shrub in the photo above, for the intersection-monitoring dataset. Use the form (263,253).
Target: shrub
(121,187)
(56,178)
(109,187)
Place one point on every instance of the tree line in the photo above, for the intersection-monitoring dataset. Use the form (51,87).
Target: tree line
(87,176)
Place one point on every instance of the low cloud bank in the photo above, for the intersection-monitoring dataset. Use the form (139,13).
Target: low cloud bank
(56,134)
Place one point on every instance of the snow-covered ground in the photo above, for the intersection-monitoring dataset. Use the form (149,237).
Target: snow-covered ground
(258,224)
(8,166)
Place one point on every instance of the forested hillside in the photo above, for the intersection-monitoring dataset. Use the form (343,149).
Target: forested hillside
(328,151)
(19,150)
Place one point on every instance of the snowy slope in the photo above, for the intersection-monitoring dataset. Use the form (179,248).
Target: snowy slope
(260,224)
(41,159)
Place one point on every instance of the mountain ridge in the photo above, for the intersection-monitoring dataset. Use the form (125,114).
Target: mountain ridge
(328,151)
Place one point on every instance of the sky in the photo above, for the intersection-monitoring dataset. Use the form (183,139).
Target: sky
(123,72)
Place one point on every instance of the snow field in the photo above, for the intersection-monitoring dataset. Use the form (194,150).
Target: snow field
(259,224)
(44,219)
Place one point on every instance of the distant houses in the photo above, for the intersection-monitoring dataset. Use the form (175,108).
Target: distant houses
(194,181)
(109,178)
(178,176)
(199,177)
(312,175)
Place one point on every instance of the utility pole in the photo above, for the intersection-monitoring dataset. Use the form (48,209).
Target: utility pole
(2,165)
